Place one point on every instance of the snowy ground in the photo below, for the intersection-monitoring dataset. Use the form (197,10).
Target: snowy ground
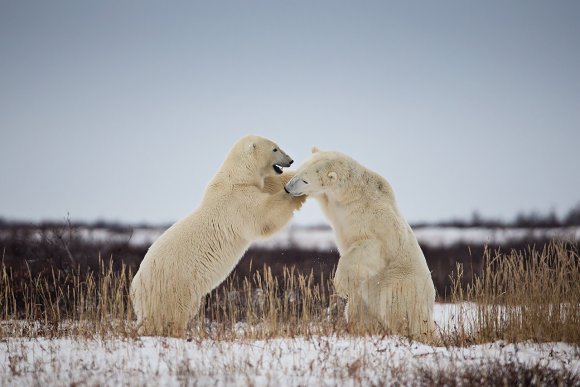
(299,361)
(315,360)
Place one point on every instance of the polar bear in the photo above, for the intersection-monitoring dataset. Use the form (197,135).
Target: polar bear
(382,270)
(243,202)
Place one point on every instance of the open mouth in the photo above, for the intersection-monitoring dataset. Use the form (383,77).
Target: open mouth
(277,168)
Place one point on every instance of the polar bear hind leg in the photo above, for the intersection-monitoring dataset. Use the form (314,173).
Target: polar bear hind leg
(400,305)
(166,315)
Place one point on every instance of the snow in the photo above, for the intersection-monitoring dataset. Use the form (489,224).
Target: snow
(281,361)
(313,360)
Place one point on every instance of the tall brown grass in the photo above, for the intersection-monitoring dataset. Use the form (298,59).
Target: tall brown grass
(523,295)
(57,303)
(520,295)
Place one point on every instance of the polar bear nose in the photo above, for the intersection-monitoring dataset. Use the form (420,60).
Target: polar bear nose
(290,162)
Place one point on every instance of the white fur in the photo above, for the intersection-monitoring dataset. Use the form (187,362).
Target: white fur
(382,269)
(243,202)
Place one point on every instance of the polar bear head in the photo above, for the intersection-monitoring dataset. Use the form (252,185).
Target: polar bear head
(322,172)
(260,155)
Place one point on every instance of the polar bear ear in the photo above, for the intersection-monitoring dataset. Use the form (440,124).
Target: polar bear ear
(332,175)
(315,149)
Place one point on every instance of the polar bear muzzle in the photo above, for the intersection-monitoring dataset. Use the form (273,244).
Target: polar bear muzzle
(295,186)
(278,167)
(283,161)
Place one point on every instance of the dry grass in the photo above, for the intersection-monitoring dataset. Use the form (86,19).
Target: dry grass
(264,307)
(525,295)
(495,374)
(531,295)
(59,304)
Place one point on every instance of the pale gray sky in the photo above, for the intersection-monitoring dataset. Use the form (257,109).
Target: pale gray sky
(123,110)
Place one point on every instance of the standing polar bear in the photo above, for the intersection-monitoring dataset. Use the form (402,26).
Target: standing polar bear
(381,269)
(243,202)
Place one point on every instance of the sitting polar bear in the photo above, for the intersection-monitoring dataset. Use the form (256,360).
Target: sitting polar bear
(243,202)
(381,269)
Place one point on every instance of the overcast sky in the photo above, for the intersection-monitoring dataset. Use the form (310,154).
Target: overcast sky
(124,110)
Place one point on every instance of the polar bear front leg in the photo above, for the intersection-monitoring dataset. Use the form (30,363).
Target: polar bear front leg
(274,211)
(274,184)
(357,268)
(360,262)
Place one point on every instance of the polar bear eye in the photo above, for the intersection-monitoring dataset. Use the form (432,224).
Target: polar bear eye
(275,150)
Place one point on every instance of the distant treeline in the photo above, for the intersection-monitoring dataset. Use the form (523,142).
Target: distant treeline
(532,219)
